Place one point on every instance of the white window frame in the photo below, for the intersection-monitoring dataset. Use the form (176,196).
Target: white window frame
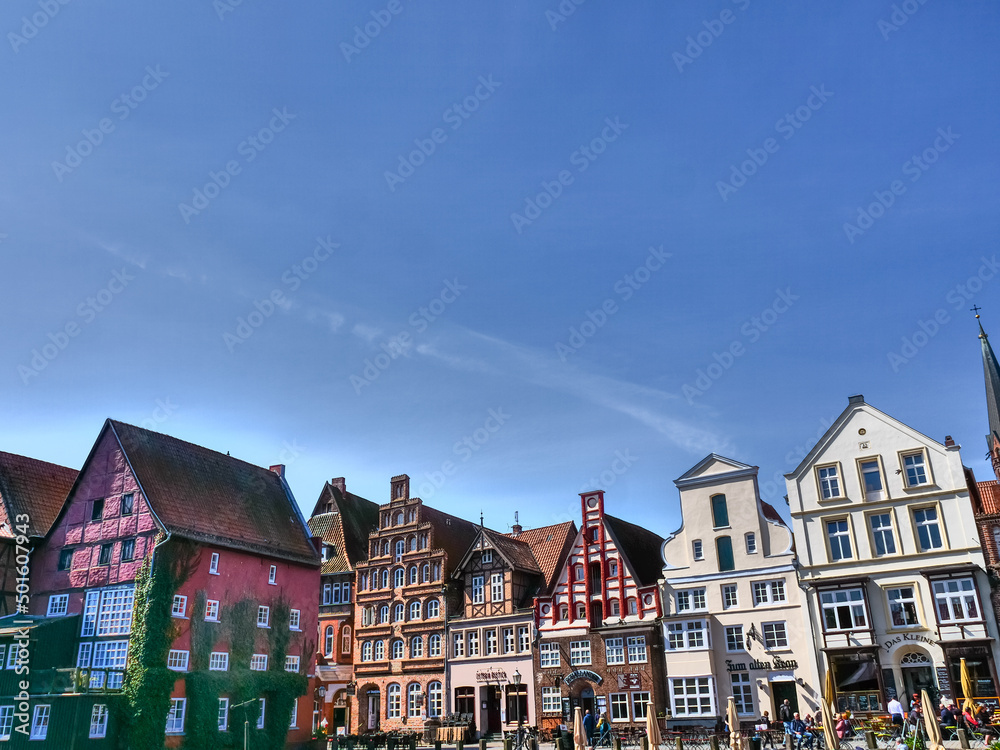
(490,639)
(751,542)
(779,631)
(734,634)
(687,635)
(923,465)
(614,650)
(698,549)
(902,601)
(213,567)
(6,722)
(260,717)
(212,610)
(40,721)
(294,619)
(830,482)
(742,691)
(222,717)
(850,602)
(177,660)
(841,536)
(58,605)
(434,645)
(551,700)
(636,647)
(885,534)
(263,616)
(769,592)
(928,524)
(579,653)
(496,587)
(258,663)
(548,655)
(98,721)
(218,661)
(178,607)
(692,696)
(618,707)
(733,601)
(691,600)
(523,638)
(478,589)
(458,645)
(961,596)
(176,715)
(292,663)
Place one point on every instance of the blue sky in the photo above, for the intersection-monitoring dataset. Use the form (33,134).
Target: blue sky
(543,234)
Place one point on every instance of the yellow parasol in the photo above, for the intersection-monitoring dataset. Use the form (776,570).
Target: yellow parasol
(829,725)
(652,728)
(969,704)
(934,740)
(579,736)
(829,690)
(733,718)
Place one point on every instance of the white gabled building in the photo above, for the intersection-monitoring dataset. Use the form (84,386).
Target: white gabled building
(890,555)
(733,620)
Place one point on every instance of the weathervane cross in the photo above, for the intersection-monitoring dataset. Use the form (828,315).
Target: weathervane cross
(975,309)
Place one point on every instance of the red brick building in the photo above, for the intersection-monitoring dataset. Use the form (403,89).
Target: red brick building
(242,575)
(599,635)
(342,521)
(403,598)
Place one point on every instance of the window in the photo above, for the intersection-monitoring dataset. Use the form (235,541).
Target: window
(477,590)
(58,603)
(345,592)
(697,550)
(775,635)
(902,607)
(473,643)
(110,654)
(594,533)
(177,660)
(397,649)
(219,661)
(614,650)
(632,606)
(272,575)
(416,647)
(65,558)
(413,542)
(619,707)
(114,616)
(581,611)
(724,552)
(6,721)
(839,537)
(829,481)
(40,722)
(433,609)
(383,614)
(13,656)
(398,610)
(345,640)
(291,663)
(128,549)
(563,612)
(98,721)
(843,609)
(127,504)
(882,538)
(690,600)
(379,650)
(640,704)
(523,638)
(730,596)
(691,696)
(548,655)
(686,635)
(914,469)
(551,700)
(328,641)
(263,616)
(260,716)
(496,587)
(579,653)
(327,594)
(871,478)
(434,699)
(104,556)
(734,638)
(508,640)
(413,699)
(491,642)
(434,645)
(213,567)
(398,578)
(768,592)
(385,579)
(412,575)
(720,512)
(179,607)
(487,556)
(293,619)
(751,543)
(612,568)
(97,511)
(956,600)
(742,693)
(616,608)
(414,610)
(928,530)
(366,651)
(400,549)
(425,573)
(636,649)
(458,645)
(82,657)
(175,718)
(258,662)
(223,714)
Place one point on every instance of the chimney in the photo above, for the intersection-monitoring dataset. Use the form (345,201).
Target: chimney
(317,543)
(339,483)
(278,469)
(949,441)
(858,399)
(515,530)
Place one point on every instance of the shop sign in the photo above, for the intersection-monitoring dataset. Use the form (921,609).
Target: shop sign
(491,675)
(583,674)
(629,681)
(887,645)
(758,665)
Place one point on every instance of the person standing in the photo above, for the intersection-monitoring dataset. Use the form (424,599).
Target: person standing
(765,721)
(895,709)
(785,716)
(588,727)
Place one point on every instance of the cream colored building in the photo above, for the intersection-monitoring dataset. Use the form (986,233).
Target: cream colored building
(733,620)
(891,558)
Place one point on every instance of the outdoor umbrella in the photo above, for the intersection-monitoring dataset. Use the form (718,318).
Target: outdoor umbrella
(652,728)
(734,725)
(829,691)
(934,740)
(829,726)
(969,704)
(579,736)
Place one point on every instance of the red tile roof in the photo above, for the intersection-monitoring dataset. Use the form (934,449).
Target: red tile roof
(34,488)
(517,551)
(213,498)
(550,546)
(989,496)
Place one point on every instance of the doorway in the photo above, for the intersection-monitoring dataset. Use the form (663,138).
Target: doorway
(917,674)
(780,692)
(492,710)
(587,700)
(373,709)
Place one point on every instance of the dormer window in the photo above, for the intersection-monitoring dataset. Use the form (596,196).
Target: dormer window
(487,556)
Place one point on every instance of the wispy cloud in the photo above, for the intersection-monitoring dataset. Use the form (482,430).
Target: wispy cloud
(366,332)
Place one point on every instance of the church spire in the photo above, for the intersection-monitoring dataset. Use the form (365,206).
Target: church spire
(991,373)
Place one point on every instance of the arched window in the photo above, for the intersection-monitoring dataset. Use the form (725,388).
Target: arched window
(720,512)
(563,612)
(436,571)
(423,541)
(996,538)
(366,651)
(400,549)
(413,699)
(383,614)
(724,550)
(397,612)
(345,640)
(385,549)
(612,567)
(581,611)
(397,578)
(413,544)
(393,709)
(433,609)
(577,572)
(385,579)
(434,645)
(328,641)
(416,646)
(414,610)
(632,607)
(413,574)
(411,516)
(399,518)
(434,699)
(397,649)
(426,573)
(362,577)
(616,609)
(379,650)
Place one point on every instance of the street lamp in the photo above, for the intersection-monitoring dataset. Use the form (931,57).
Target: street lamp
(246,722)
(517,697)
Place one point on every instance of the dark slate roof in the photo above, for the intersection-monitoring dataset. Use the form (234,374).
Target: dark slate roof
(991,372)
(34,488)
(517,551)
(640,547)
(209,497)
(550,546)
(771,514)
(452,534)
(343,520)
